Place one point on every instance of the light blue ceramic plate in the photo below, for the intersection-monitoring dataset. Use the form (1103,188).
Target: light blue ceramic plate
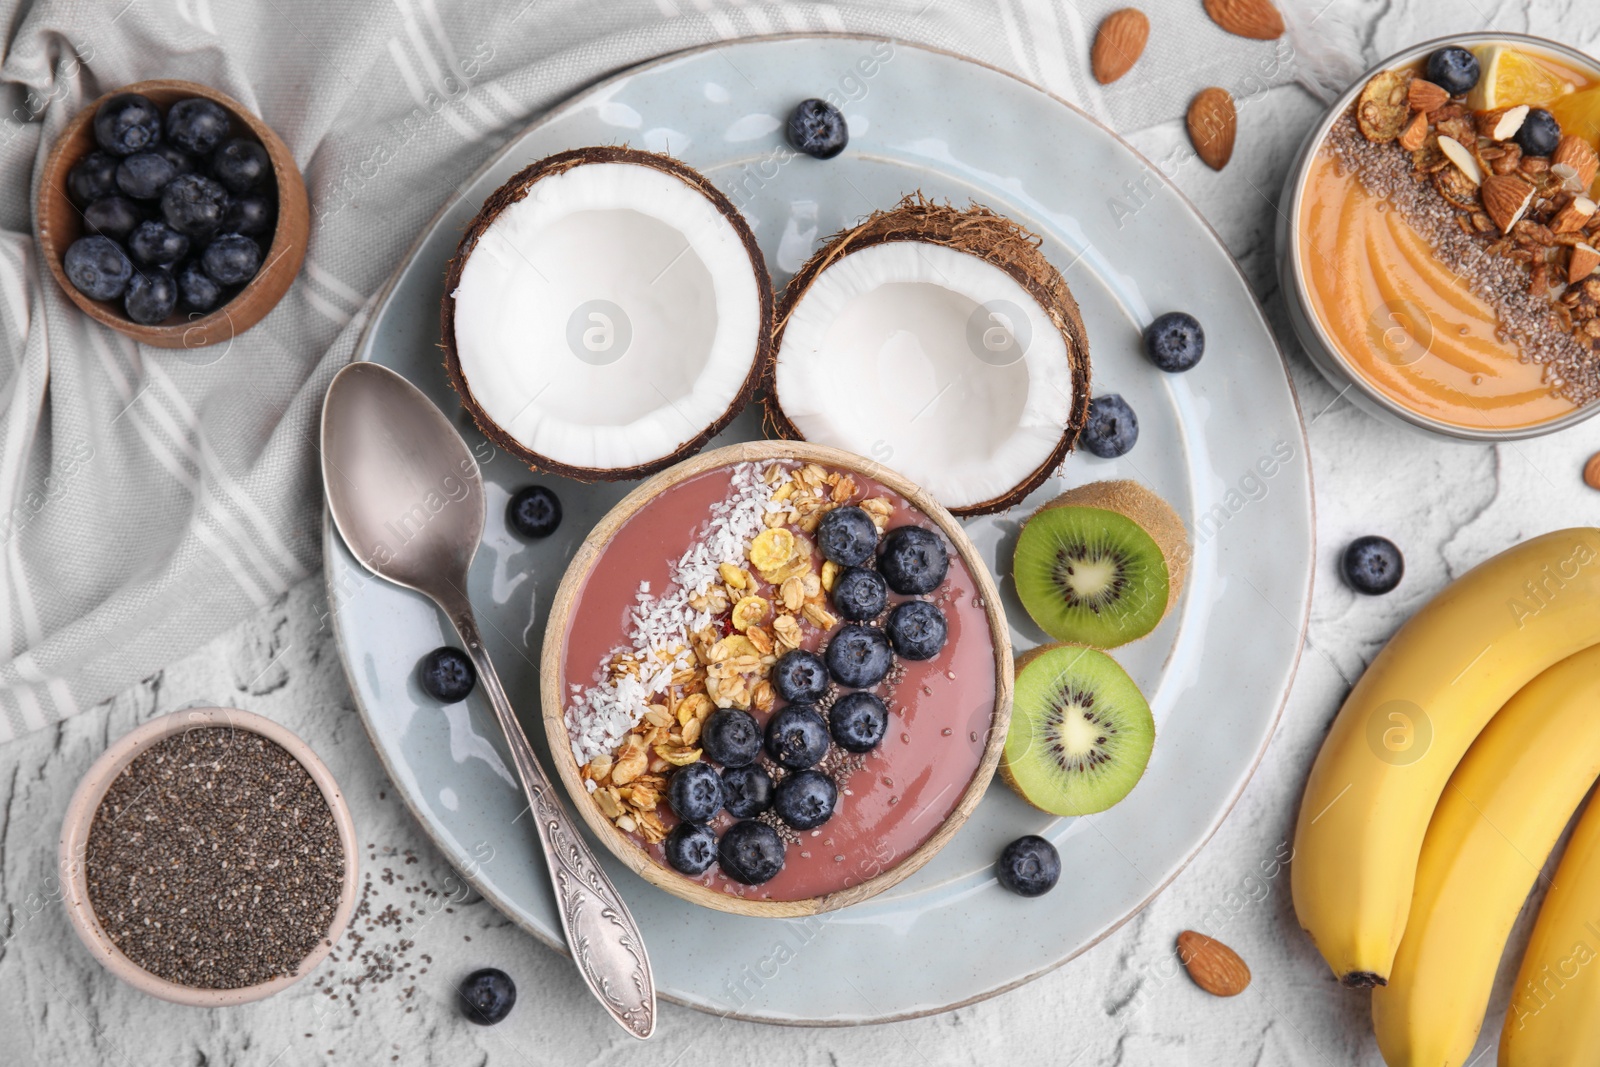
(1223,443)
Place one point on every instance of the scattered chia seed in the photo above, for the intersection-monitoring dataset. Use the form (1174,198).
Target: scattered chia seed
(214,861)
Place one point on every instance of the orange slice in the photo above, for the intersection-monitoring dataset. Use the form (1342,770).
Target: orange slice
(1579,113)
(1510,77)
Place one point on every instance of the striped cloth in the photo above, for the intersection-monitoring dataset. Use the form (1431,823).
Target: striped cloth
(150,499)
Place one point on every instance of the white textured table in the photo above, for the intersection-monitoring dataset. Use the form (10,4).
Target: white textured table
(389,998)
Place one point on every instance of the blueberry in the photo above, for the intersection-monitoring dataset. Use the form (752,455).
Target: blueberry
(800,676)
(127,123)
(155,244)
(1455,70)
(847,536)
(746,791)
(97,267)
(231,259)
(691,848)
(93,176)
(447,675)
(1175,342)
(251,215)
(858,656)
(1112,428)
(805,799)
(858,722)
(197,125)
(913,560)
(534,512)
(1030,866)
(1373,565)
(144,174)
(1539,133)
(113,216)
(487,996)
(180,160)
(750,852)
(194,204)
(731,737)
(917,629)
(860,594)
(196,290)
(151,297)
(240,165)
(818,129)
(695,792)
(797,737)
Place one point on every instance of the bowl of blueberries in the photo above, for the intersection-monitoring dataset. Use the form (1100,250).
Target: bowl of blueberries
(171,214)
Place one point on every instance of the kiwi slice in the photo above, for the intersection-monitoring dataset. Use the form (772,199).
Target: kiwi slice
(1101,564)
(1080,733)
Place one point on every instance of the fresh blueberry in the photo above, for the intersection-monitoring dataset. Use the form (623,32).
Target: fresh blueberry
(695,792)
(731,737)
(800,676)
(858,722)
(534,512)
(127,123)
(847,536)
(113,216)
(180,160)
(447,675)
(93,176)
(144,174)
(691,848)
(860,594)
(240,165)
(805,799)
(913,560)
(97,267)
(197,125)
(1539,133)
(818,129)
(231,259)
(1373,565)
(1175,342)
(1030,866)
(487,996)
(1455,70)
(797,737)
(151,297)
(858,656)
(194,204)
(750,852)
(1112,428)
(196,290)
(746,791)
(155,244)
(251,215)
(917,629)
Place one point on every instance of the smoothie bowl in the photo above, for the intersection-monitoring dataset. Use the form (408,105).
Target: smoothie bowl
(776,679)
(1438,244)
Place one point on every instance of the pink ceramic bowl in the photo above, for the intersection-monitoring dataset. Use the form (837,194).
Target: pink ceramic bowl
(86,801)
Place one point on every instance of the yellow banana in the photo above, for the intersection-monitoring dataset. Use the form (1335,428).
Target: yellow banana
(1499,817)
(1405,726)
(1554,1018)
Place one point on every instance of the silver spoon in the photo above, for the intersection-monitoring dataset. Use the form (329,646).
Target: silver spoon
(390,459)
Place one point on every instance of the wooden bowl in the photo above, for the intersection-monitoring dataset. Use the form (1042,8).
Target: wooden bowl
(553,696)
(59,223)
(80,817)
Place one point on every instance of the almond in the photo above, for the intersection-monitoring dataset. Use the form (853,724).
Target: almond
(1505,198)
(1457,153)
(1412,137)
(1118,44)
(1591,472)
(1247,18)
(1424,96)
(1502,123)
(1573,151)
(1213,123)
(1582,263)
(1574,216)
(1215,967)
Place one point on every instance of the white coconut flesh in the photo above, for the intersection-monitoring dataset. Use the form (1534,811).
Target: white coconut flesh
(608,317)
(931,361)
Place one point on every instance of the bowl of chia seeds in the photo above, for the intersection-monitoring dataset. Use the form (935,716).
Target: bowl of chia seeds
(209,858)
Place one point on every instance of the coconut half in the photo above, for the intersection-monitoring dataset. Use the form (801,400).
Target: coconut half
(941,343)
(606,313)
